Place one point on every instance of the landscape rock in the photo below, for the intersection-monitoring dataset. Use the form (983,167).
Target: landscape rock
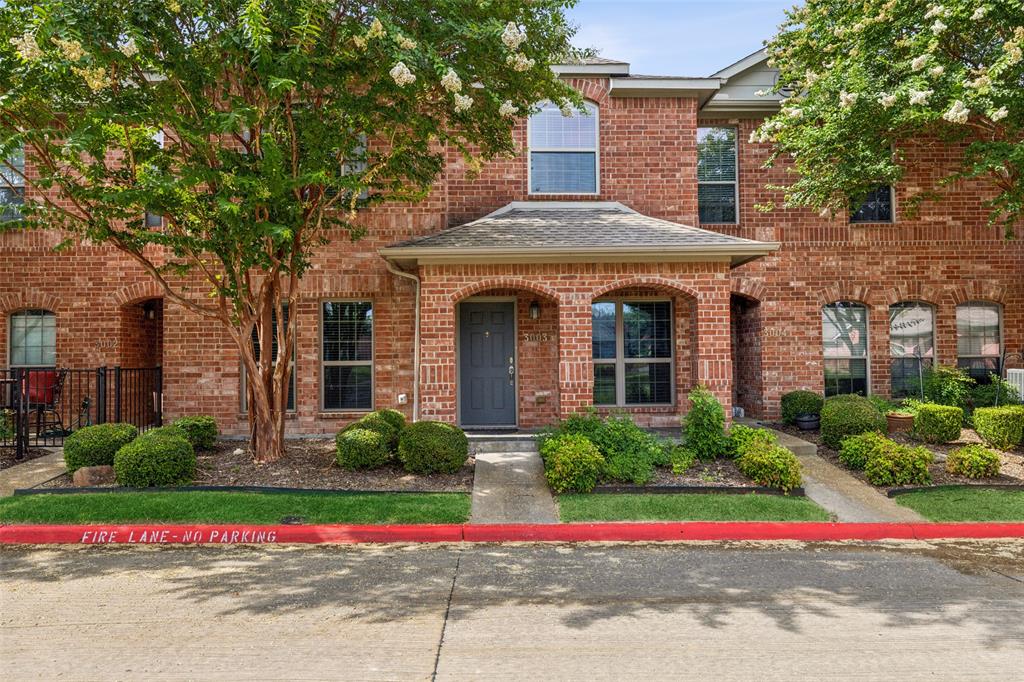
(93,476)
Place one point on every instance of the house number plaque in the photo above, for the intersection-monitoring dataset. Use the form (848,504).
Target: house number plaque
(538,337)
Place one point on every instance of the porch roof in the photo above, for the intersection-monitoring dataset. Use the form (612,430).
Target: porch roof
(530,232)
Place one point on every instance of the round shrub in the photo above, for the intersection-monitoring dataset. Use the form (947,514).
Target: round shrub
(629,452)
(704,425)
(800,402)
(378,423)
(362,449)
(155,460)
(1000,427)
(433,447)
(973,461)
(846,416)
(572,464)
(741,437)
(393,417)
(201,430)
(855,451)
(169,430)
(96,445)
(938,423)
(895,464)
(772,466)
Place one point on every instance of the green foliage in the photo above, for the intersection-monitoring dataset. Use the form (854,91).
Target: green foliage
(585,423)
(769,465)
(704,425)
(881,404)
(362,449)
(946,385)
(433,447)
(665,449)
(938,423)
(857,450)
(572,464)
(201,430)
(6,425)
(96,445)
(168,430)
(393,417)
(155,460)
(844,416)
(1000,427)
(871,77)
(379,423)
(683,459)
(894,464)
(629,451)
(800,402)
(741,437)
(973,461)
(997,393)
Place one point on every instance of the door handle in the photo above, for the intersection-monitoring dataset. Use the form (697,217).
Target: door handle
(511,372)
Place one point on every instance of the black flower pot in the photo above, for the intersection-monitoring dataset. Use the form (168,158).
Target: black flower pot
(808,422)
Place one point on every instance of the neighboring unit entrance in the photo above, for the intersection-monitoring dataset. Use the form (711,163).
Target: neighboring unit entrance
(487,364)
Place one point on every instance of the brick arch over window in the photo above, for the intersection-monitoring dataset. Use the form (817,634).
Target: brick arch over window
(504,283)
(913,292)
(140,291)
(845,291)
(657,283)
(591,90)
(11,303)
(753,289)
(982,292)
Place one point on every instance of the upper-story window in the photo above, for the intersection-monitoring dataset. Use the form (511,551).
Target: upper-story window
(12,186)
(563,151)
(877,207)
(154,221)
(717,188)
(979,339)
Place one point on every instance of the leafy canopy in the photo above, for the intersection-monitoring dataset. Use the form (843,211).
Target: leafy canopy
(864,76)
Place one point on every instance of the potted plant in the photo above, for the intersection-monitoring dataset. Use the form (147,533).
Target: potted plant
(899,421)
(808,421)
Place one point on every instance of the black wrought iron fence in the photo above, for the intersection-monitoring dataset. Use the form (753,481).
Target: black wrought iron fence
(39,407)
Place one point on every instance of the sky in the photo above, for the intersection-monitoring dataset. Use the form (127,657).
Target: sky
(676,37)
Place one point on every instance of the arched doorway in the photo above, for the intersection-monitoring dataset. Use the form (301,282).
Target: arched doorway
(141,343)
(745,333)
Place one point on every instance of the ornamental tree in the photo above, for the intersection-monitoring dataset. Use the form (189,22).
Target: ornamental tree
(862,77)
(257,129)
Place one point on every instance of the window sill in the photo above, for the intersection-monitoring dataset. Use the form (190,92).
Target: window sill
(342,414)
(657,407)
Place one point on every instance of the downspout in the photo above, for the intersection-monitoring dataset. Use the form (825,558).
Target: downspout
(416,339)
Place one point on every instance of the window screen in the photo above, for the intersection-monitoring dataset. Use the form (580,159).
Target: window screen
(911,346)
(347,355)
(844,330)
(716,174)
(979,339)
(563,151)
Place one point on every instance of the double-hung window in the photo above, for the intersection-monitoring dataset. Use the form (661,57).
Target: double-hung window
(563,151)
(717,187)
(632,352)
(346,329)
(33,339)
(979,339)
(876,208)
(273,351)
(911,346)
(844,329)
(154,221)
(12,185)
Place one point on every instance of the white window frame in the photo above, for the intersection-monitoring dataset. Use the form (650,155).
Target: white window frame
(867,346)
(620,361)
(38,312)
(735,183)
(1002,340)
(596,113)
(324,364)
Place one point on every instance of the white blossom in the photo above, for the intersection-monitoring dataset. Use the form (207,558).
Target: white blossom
(935,11)
(71,49)
(512,36)
(463,102)
(507,109)
(794,112)
(761,93)
(376,30)
(402,75)
(360,42)
(887,101)
(95,78)
(979,13)
(810,78)
(957,113)
(920,96)
(519,61)
(982,82)
(938,27)
(1013,52)
(918,63)
(451,81)
(27,47)
(129,49)
(406,43)
(847,99)
(937,71)
(999,114)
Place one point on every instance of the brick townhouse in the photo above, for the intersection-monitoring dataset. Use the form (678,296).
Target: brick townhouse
(618,261)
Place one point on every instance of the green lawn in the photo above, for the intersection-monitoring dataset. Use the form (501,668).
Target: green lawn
(225,507)
(688,507)
(966,504)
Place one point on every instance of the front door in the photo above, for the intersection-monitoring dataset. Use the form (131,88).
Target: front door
(487,364)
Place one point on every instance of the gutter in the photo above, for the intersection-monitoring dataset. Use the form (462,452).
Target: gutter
(416,338)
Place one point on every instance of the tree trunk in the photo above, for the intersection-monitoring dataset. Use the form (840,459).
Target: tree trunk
(268,378)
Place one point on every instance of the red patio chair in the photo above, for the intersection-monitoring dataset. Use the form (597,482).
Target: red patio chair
(43,389)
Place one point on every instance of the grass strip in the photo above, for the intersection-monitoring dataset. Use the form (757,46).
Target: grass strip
(689,507)
(966,504)
(224,507)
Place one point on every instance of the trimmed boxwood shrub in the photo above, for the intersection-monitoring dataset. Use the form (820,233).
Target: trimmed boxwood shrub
(855,451)
(772,466)
(895,464)
(393,417)
(938,423)
(96,445)
(844,416)
(741,437)
(1000,427)
(379,423)
(800,402)
(433,447)
(362,449)
(169,430)
(155,460)
(629,452)
(973,461)
(201,430)
(572,464)
(704,425)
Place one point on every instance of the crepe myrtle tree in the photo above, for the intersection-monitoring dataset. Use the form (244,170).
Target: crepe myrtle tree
(257,129)
(861,77)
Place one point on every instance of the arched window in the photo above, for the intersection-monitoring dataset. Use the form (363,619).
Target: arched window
(911,346)
(33,339)
(563,151)
(979,339)
(844,330)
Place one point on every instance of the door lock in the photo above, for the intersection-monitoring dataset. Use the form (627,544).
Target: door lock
(511,372)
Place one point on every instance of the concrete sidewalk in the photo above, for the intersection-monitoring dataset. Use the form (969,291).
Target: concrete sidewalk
(509,487)
(32,472)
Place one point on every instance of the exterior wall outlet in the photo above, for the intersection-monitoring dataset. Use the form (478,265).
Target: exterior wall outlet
(402,399)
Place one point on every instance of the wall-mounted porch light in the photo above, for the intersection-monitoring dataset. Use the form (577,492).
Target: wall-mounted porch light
(534,310)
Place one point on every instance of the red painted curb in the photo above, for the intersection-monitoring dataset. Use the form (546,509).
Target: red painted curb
(569,532)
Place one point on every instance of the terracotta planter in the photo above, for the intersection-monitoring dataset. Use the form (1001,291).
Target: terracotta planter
(899,422)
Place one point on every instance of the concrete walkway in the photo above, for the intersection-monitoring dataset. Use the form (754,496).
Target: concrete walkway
(31,473)
(509,487)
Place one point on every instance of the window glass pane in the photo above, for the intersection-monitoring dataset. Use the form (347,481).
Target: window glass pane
(716,154)
(347,331)
(980,368)
(348,387)
(549,129)
(911,330)
(11,171)
(717,203)
(906,376)
(563,172)
(844,330)
(603,317)
(604,384)
(33,339)
(846,376)
(647,329)
(877,207)
(977,329)
(648,383)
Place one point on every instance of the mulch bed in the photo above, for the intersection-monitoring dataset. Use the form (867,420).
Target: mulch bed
(7,456)
(720,472)
(1011,469)
(309,463)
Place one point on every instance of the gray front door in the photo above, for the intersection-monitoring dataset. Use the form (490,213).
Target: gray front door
(487,364)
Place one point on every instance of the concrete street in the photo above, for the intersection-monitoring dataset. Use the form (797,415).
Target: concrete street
(907,611)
